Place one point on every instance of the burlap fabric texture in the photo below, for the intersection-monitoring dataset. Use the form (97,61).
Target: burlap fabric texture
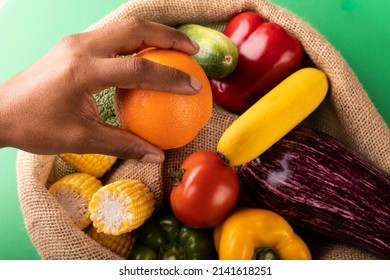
(347,114)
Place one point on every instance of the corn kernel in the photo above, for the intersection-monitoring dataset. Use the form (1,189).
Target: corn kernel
(119,244)
(121,206)
(94,164)
(74,192)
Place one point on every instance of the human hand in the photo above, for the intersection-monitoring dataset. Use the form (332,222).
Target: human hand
(49,108)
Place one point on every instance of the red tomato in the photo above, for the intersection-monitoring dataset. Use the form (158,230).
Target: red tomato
(207,191)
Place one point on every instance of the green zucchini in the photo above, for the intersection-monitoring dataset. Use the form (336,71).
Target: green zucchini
(218,55)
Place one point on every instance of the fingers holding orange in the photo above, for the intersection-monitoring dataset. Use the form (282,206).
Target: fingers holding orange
(164,119)
(133,34)
(138,72)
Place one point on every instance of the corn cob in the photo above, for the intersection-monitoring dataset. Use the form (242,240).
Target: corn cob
(119,244)
(121,206)
(93,164)
(74,192)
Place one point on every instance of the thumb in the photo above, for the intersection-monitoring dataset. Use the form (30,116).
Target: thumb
(118,142)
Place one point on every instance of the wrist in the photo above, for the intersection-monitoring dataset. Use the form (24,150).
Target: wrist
(5,118)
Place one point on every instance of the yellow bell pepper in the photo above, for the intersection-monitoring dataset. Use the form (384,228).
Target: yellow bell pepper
(252,233)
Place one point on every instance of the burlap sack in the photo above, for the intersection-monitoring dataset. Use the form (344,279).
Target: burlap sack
(347,114)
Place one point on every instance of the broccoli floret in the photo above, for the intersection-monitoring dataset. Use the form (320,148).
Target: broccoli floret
(105,104)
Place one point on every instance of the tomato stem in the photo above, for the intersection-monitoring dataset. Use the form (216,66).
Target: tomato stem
(176,175)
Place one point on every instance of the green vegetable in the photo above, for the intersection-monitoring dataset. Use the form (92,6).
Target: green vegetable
(166,238)
(105,104)
(218,55)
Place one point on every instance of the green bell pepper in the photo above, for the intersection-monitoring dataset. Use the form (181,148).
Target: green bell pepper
(166,238)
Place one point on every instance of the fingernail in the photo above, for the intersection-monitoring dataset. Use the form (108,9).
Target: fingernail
(195,44)
(195,84)
(152,158)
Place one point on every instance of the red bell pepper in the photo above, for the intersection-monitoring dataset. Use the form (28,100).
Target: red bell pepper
(267,55)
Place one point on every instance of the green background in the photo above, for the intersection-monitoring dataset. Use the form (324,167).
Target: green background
(359,29)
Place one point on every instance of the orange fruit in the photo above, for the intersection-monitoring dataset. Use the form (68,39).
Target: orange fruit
(164,119)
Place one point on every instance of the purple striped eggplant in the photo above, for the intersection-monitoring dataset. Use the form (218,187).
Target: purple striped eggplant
(319,184)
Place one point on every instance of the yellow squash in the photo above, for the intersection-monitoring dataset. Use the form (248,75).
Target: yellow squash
(253,233)
(273,116)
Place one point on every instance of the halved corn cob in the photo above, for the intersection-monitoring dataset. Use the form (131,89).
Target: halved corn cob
(119,244)
(94,164)
(74,192)
(121,206)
